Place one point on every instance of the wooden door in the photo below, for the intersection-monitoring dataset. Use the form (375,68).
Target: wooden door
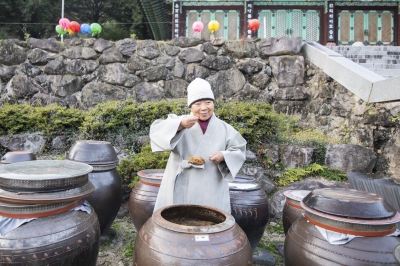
(371,27)
(290,22)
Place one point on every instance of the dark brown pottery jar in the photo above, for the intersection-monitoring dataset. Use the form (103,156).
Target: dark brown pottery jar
(249,207)
(107,197)
(58,235)
(191,235)
(17,156)
(345,211)
(292,209)
(143,196)
(67,238)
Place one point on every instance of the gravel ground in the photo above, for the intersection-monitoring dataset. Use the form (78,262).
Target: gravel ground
(117,244)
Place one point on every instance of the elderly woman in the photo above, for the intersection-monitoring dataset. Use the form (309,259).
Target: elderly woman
(206,153)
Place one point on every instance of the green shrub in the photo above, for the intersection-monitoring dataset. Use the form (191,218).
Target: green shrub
(146,159)
(48,119)
(291,175)
(127,119)
(255,121)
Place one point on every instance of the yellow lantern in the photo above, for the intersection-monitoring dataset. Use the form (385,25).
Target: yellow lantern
(213,25)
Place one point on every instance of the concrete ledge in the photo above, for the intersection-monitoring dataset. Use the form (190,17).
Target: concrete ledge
(385,90)
(357,79)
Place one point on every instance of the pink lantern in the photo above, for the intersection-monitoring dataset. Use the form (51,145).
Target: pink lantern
(64,23)
(197,27)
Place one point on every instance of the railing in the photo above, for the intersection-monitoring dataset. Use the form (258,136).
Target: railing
(361,81)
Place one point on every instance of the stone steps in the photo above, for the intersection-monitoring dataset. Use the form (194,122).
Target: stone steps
(372,56)
(383,60)
(379,66)
(365,48)
(375,60)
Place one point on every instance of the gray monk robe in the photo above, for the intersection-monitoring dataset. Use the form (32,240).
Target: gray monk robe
(184,183)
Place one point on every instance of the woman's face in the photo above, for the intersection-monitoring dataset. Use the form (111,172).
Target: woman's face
(203,109)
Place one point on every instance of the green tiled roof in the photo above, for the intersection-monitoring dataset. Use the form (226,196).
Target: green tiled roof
(157,14)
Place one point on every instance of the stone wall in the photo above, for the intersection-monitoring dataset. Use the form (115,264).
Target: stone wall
(83,72)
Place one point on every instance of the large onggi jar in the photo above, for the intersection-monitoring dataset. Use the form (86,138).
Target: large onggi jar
(191,235)
(249,207)
(143,196)
(292,209)
(107,197)
(48,192)
(68,238)
(343,211)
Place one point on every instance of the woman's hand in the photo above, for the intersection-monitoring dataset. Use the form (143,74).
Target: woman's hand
(216,157)
(188,121)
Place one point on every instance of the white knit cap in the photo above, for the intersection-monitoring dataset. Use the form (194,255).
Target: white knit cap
(199,89)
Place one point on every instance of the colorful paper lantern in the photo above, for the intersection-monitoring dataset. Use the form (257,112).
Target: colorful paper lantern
(60,31)
(197,26)
(95,28)
(85,29)
(74,27)
(64,23)
(254,24)
(213,25)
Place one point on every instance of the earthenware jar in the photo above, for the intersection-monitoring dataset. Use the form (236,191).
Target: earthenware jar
(47,191)
(143,196)
(107,197)
(343,211)
(292,209)
(191,235)
(249,207)
(42,241)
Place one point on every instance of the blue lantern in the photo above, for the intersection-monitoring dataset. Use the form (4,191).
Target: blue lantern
(85,29)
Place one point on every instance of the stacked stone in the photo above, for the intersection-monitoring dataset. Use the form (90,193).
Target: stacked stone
(83,72)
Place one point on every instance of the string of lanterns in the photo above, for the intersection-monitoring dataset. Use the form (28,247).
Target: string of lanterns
(65,26)
(213,26)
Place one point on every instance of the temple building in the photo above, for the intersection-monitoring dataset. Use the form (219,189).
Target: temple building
(341,22)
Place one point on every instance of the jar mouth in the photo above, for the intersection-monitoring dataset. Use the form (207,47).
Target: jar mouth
(152,177)
(188,218)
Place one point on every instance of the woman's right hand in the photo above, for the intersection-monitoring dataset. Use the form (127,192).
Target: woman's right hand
(188,121)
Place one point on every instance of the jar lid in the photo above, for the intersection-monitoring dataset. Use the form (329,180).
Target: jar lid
(349,203)
(17,156)
(43,175)
(36,210)
(93,152)
(151,177)
(244,186)
(243,179)
(47,197)
(296,195)
(344,225)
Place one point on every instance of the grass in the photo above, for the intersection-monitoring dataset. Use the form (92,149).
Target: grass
(128,249)
(278,228)
(116,225)
(273,233)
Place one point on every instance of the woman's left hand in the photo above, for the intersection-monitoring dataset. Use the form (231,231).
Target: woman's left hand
(216,157)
